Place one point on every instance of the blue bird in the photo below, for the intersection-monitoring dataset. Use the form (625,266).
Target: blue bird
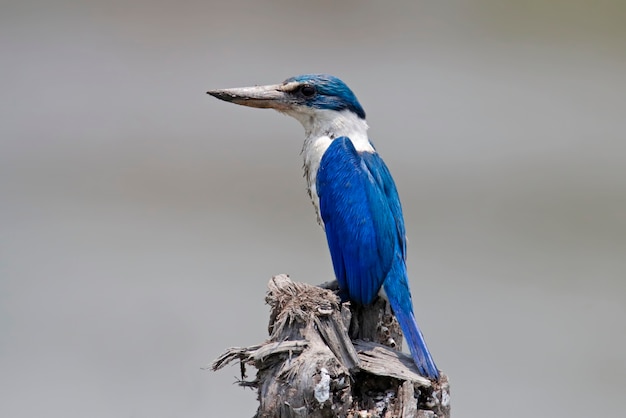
(353,193)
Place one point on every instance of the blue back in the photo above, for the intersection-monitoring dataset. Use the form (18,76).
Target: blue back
(363,218)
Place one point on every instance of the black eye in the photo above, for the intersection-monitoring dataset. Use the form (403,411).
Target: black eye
(307,91)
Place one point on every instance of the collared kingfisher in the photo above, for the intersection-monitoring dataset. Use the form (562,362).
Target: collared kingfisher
(354,196)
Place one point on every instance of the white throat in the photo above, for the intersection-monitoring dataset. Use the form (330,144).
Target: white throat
(321,127)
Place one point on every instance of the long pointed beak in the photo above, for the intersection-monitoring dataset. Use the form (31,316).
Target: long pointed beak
(272,96)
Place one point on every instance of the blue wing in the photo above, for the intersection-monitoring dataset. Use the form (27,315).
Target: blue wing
(362,216)
(365,231)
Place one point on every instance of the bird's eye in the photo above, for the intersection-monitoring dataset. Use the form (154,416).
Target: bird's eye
(307,90)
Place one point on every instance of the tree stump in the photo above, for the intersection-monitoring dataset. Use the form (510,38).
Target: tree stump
(311,367)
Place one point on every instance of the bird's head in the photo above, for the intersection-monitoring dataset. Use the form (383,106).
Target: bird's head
(308,98)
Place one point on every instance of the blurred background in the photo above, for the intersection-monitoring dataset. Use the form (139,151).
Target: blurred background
(140,219)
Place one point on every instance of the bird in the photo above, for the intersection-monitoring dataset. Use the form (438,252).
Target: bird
(355,198)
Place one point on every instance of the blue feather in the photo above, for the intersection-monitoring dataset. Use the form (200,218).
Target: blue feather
(396,287)
(359,224)
(362,215)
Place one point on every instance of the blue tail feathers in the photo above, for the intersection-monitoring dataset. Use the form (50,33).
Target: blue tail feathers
(397,290)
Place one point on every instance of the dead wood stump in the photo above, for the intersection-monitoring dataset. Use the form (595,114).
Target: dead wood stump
(311,367)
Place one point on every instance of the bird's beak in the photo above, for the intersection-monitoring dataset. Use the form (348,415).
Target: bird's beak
(272,96)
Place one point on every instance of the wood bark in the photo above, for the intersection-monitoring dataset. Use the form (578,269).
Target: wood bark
(325,358)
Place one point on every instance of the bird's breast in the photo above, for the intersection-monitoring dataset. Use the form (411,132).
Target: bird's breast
(312,152)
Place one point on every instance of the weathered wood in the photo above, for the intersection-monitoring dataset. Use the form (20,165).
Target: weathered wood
(311,368)
(381,361)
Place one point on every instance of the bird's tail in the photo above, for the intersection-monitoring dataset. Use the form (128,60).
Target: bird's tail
(397,290)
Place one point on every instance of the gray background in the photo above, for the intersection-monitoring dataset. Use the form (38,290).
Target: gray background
(141,219)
